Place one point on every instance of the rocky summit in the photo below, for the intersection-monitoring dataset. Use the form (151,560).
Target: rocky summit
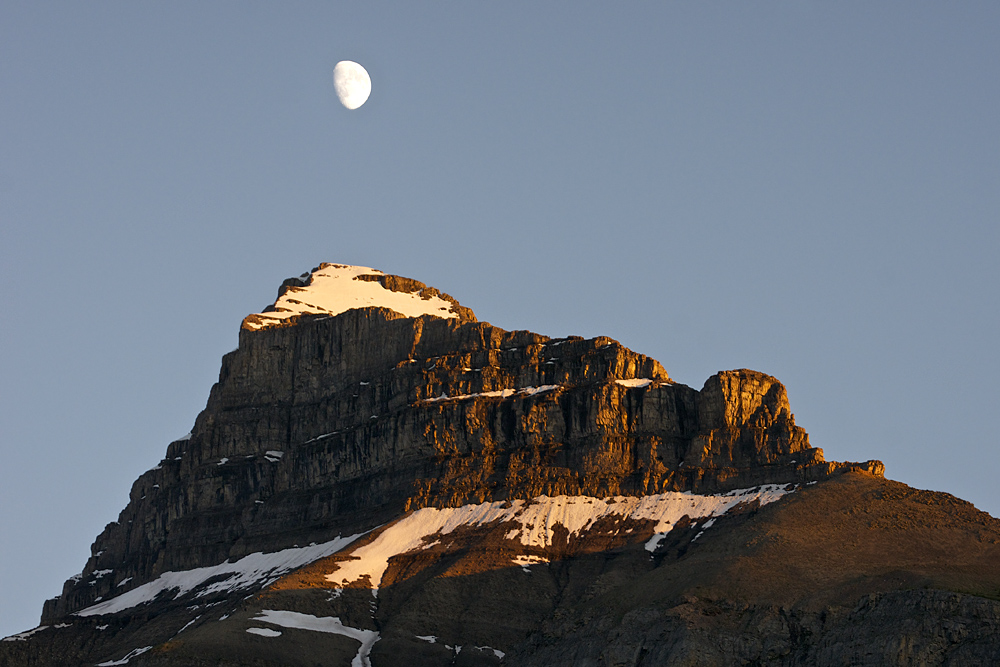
(380,479)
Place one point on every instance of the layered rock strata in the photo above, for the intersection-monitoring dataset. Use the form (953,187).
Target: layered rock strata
(327,423)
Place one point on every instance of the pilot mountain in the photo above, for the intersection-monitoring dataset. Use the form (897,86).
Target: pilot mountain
(380,479)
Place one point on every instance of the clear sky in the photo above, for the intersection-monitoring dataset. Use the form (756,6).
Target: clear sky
(807,189)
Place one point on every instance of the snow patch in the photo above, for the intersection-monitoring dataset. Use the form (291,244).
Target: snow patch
(635,382)
(500,393)
(527,561)
(252,570)
(328,624)
(24,635)
(320,437)
(264,632)
(188,624)
(131,654)
(497,652)
(336,288)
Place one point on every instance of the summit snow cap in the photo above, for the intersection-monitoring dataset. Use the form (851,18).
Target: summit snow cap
(332,289)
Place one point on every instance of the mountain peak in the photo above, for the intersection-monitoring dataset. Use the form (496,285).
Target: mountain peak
(379,479)
(332,289)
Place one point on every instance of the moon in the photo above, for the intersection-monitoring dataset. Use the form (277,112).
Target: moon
(352,83)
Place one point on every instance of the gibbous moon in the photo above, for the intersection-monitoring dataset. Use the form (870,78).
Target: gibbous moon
(352,83)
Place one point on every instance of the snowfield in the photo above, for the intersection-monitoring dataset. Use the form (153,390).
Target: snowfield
(336,288)
(533,523)
(248,572)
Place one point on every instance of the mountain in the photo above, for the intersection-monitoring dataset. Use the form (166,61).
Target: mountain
(380,479)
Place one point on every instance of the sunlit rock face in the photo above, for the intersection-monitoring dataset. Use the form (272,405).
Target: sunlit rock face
(437,486)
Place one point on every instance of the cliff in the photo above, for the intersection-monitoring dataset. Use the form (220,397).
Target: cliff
(339,423)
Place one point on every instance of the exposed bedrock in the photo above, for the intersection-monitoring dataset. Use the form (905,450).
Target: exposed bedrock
(337,424)
(911,627)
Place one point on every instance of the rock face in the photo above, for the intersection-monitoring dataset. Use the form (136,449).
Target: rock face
(431,460)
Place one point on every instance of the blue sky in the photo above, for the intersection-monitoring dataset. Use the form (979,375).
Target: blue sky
(807,189)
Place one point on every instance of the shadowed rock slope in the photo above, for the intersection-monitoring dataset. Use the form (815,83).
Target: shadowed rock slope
(370,486)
